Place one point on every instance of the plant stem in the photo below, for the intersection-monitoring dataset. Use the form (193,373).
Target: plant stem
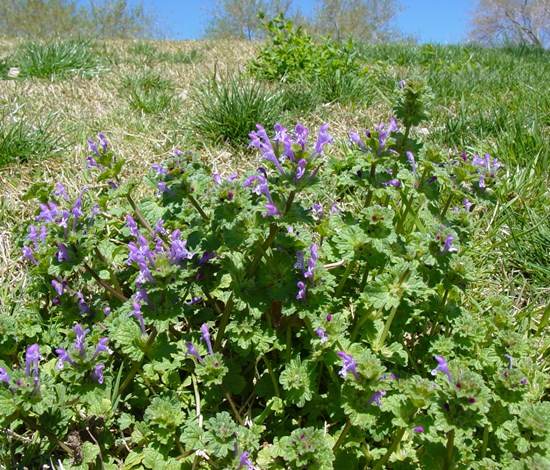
(272,375)
(450,448)
(485,441)
(114,279)
(438,315)
(447,205)
(233,407)
(389,321)
(196,205)
(342,436)
(359,324)
(386,330)
(137,365)
(344,278)
(224,322)
(102,283)
(48,434)
(396,440)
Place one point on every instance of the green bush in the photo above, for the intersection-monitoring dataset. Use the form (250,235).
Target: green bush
(290,54)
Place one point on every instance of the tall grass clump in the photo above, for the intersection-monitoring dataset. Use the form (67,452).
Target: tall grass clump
(148,92)
(56,59)
(228,107)
(23,141)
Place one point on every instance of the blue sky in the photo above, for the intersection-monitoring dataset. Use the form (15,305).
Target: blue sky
(441,21)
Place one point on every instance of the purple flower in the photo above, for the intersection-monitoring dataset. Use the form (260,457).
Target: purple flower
(91,163)
(322,335)
(60,191)
(206,257)
(194,300)
(206,337)
(137,313)
(442,367)
(62,253)
(98,372)
(301,291)
(4,377)
(159,228)
(27,253)
(32,356)
(178,249)
(395,183)
(301,134)
(217,179)
(158,169)
(376,397)
(92,147)
(448,245)
(467,204)
(82,304)
(48,212)
(323,139)
(510,360)
(418,429)
(245,461)
(482,181)
(261,188)
(193,352)
(63,357)
(354,137)
(349,365)
(102,347)
(80,336)
(410,158)
(131,224)
(103,142)
(300,169)
(165,189)
(59,286)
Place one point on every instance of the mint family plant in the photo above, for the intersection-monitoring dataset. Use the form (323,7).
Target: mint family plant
(317,313)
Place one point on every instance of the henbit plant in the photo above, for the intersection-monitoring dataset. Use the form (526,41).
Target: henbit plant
(228,106)
(319,313)
(56,59)
(22,140)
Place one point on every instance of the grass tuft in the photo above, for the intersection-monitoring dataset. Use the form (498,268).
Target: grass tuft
(229,107)
(148,92)
(57,59)
(22,141)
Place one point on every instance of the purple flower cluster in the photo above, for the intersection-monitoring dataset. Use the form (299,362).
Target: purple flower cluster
(32,357)
(79,345)
(308,270)
(290,147)
(486,168)
(258,183)
(92,147)
(141,253)
(383,134)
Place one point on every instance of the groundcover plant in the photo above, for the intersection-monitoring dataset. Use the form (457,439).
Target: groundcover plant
(315,313)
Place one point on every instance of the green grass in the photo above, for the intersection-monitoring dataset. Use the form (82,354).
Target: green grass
(22,141)
(56,59)
(229,107)
(148,92)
